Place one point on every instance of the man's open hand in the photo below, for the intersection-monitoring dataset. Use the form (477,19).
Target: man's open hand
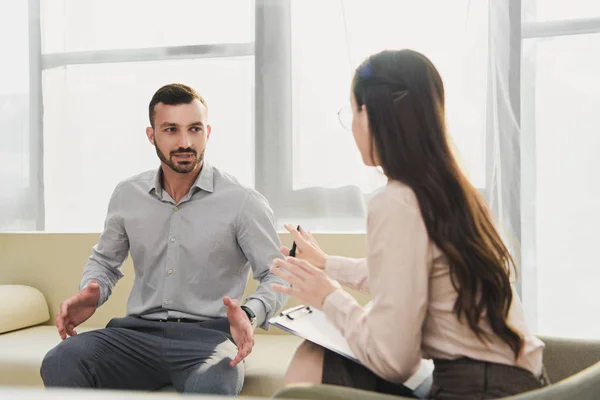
(77,309)
(241,329)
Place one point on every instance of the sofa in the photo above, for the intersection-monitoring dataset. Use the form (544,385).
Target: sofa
(40,270)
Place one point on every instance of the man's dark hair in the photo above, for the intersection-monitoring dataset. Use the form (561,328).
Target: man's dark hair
(173,94)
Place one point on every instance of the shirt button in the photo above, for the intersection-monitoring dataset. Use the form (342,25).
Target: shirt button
(167,303)
(172,240)
(175,208)
(170,271)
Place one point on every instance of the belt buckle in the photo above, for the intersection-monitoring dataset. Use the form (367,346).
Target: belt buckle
(171,320)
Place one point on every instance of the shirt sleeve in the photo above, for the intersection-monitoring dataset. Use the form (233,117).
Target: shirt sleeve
(258,239)
(350,272)
(104,264)
(388,338)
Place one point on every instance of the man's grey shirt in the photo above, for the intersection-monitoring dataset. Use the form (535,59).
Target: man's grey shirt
(188,255)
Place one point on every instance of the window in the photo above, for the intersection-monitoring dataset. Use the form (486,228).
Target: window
(559,10)
(74,25)
(560,94)
(329,44)
(16,178)
(320,180)
(94,129)
(100,69)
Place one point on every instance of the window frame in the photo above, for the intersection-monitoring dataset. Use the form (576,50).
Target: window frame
(36,119)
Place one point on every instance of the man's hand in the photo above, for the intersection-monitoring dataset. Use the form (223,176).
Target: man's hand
(241,329)
(77,309)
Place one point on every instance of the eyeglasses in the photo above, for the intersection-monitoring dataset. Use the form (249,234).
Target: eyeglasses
(345,117)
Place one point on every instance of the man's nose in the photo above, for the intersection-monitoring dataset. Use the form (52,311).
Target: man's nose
(183,141)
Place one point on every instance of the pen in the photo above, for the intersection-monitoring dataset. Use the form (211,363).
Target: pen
(293,249)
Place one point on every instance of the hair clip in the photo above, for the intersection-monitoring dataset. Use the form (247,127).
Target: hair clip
(399,95)
(366,71)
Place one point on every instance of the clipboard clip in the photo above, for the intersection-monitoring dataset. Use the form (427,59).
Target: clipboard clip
(300,310)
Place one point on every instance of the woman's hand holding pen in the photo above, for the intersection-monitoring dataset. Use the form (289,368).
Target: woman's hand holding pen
(307,248)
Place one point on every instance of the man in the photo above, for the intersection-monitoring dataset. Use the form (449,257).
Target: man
(191,231)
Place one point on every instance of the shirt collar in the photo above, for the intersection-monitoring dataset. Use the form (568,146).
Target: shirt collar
(204,181)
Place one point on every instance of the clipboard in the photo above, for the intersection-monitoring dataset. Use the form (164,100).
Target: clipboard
(313,325)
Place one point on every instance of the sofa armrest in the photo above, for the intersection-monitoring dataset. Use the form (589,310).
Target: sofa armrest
(330,392)
(21,307)
(565,357)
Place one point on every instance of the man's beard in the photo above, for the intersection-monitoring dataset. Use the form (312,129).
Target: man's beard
(182,167)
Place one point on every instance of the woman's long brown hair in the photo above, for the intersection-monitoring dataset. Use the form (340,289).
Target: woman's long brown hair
(404,97)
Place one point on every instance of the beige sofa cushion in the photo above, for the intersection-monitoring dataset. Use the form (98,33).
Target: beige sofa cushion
(21,307)
(22,353)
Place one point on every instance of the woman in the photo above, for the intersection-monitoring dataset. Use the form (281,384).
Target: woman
(436,267)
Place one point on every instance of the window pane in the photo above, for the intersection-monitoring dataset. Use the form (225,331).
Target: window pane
(566,94)
(556,10)
(94,129)
(17,208)
(76,25)
(329,44)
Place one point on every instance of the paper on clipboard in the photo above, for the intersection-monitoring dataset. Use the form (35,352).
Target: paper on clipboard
(314,326)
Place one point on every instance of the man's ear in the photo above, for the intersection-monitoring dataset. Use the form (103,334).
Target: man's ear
(208,131)
(150,134)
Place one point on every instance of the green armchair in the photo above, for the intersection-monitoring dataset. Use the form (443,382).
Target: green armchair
(573,367)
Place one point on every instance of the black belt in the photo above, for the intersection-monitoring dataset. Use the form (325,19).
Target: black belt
(178,320)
